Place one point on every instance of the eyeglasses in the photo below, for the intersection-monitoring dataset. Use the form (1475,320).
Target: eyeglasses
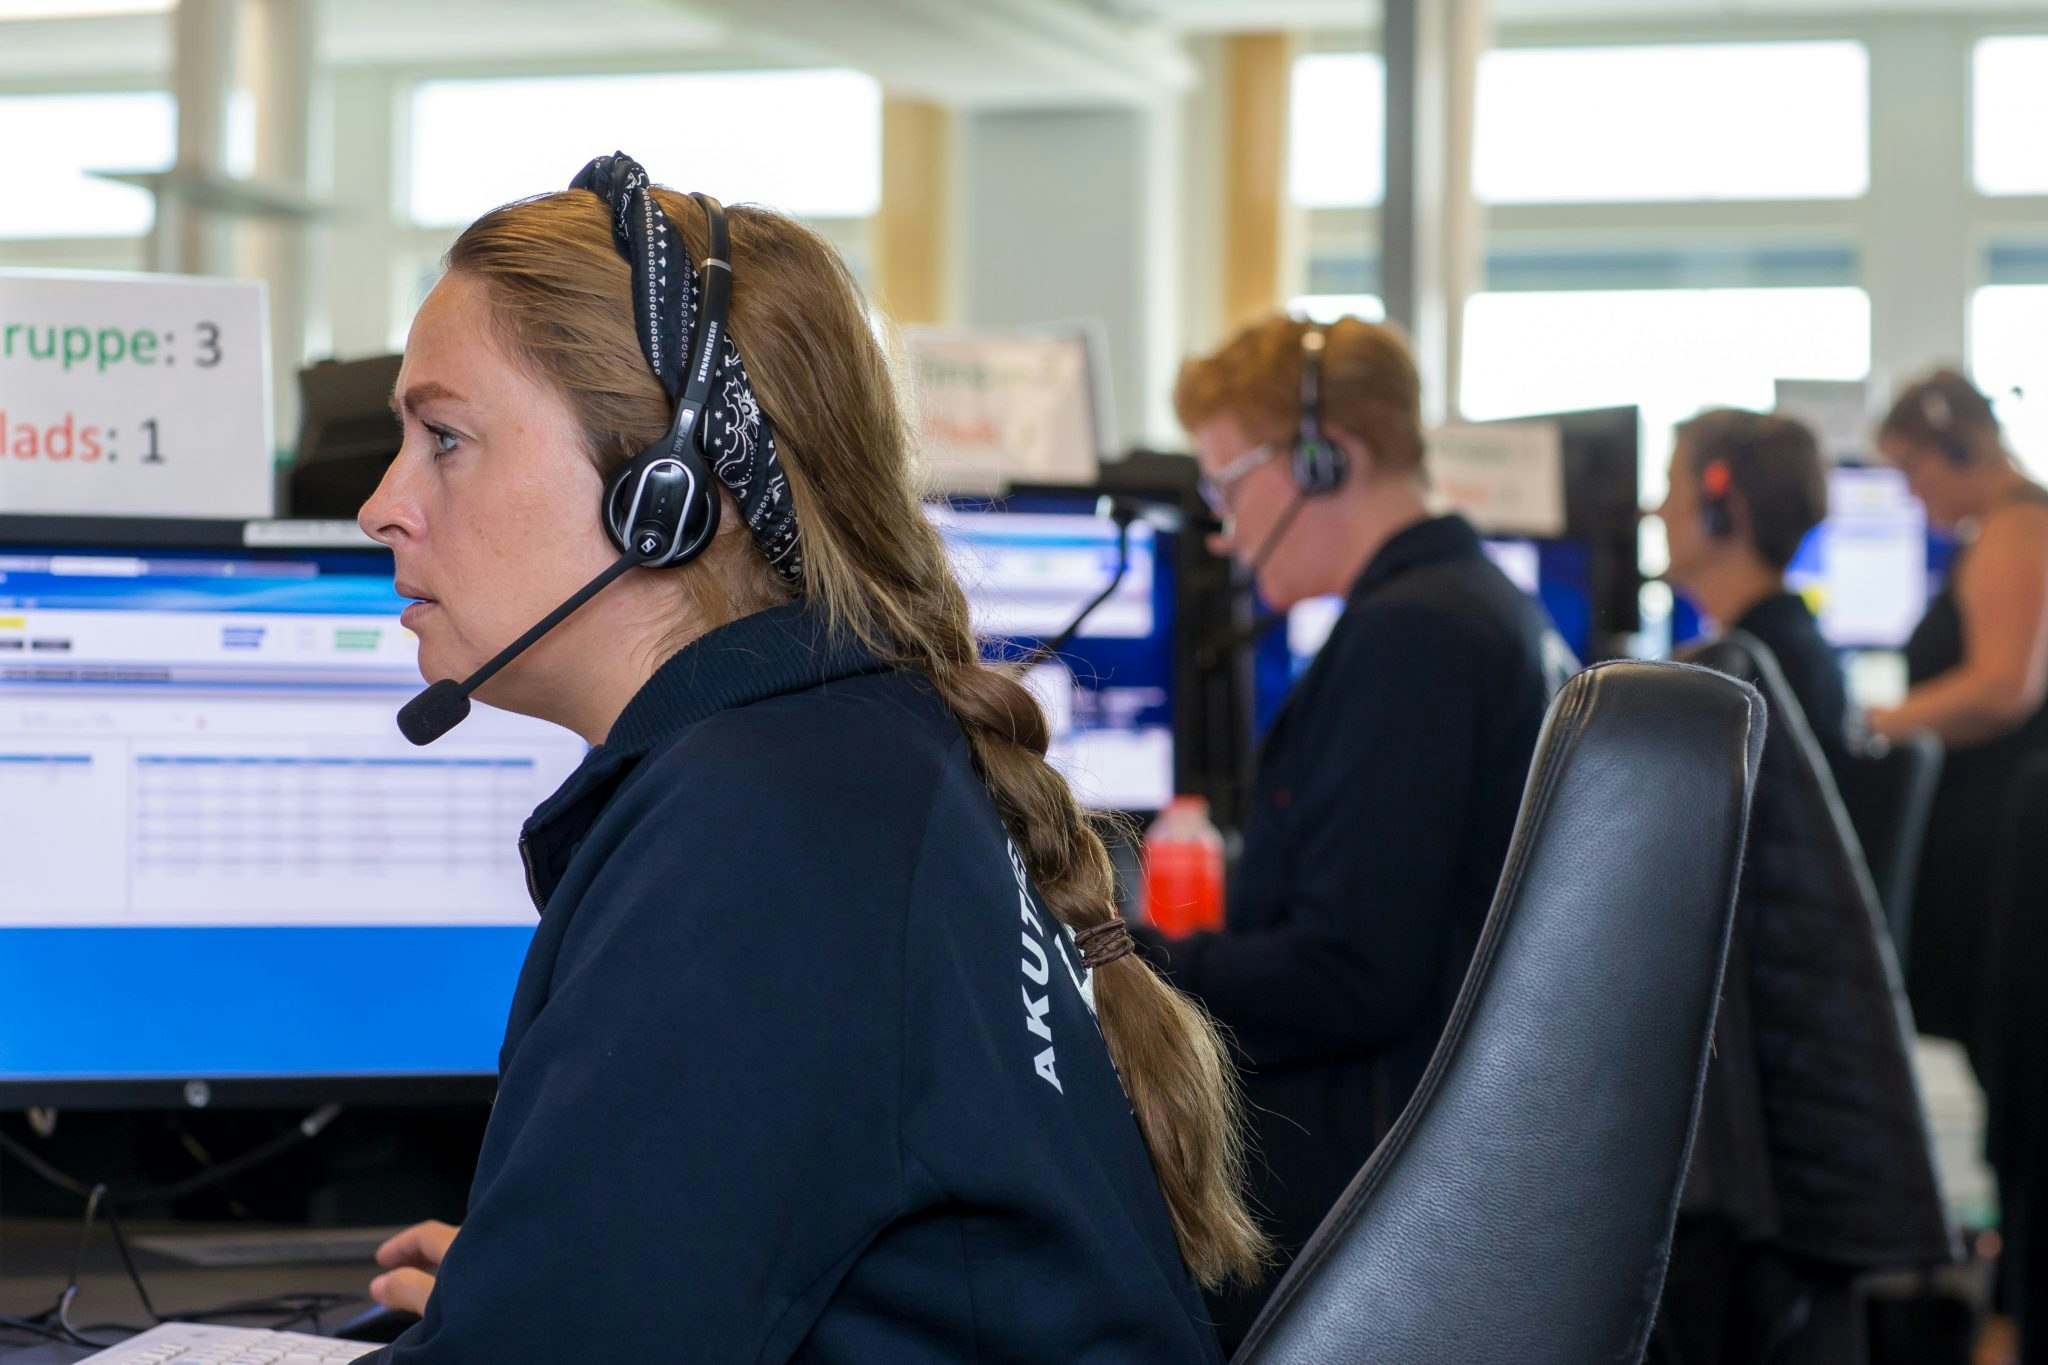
(1215,488)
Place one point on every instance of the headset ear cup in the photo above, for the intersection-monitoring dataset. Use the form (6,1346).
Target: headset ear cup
(677,512)
(1318,465)
(1714,517)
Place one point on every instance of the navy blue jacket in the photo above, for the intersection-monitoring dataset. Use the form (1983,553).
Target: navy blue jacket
(1786,626)
(799,1067)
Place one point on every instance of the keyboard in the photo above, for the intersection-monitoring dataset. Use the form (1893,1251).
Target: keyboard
(190,1343)
(267,1246)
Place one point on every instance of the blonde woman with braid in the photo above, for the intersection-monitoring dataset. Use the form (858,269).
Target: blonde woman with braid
(829,1046)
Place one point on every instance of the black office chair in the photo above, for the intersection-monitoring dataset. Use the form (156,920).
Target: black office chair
(1812,1148)
(1889,792)
(1520,1211)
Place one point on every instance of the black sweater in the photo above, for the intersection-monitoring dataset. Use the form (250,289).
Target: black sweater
(1386,794)
(1786,626)
(799,1067)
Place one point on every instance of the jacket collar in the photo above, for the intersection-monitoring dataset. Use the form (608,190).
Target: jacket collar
(1431,541)
(786,649)
(1780,606)
(789,648)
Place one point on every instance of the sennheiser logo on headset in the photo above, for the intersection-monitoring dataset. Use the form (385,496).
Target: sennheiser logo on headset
(713,334)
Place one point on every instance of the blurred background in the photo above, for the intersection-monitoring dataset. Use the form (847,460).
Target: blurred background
(1571,203)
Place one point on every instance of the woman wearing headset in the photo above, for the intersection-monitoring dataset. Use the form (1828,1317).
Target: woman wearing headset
(1978,664)
(829,1046)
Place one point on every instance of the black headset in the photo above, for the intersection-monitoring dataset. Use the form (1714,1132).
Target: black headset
(1716,518)
(1941,424)
(1717,480)
(663,505)
(1319,462)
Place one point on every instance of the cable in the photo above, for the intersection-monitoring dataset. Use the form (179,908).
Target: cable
(1215,651)
(128,1264)
(307,1129)
(70,1292)
(34,1328)
(27,1157)
(1123,516)
(55,1323)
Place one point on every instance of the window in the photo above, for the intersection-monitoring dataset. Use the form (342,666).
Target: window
(1701,121)
(1670,352)
(1327,308)
(1336,130)
(48,143)
(2007,361)
(2009,108)
(806,142)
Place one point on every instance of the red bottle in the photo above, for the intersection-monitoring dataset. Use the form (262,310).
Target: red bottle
(1184,869)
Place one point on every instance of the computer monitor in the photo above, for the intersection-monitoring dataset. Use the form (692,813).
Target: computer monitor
(348,436)
(1029,563)
(1557,573)
(1602,491)
(224,865)
(1866,568)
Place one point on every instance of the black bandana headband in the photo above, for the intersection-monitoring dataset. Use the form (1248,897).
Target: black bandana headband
(735,435)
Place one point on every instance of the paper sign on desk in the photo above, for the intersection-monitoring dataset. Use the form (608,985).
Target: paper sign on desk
(1840,411)
(134,395)
(1504,476)
(997,407)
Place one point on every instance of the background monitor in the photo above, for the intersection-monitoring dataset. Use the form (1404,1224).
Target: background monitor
(1866,568)
(224,863)
(1557,573)
(1602,496)
(348,436)
(1029,563)
(1868,571)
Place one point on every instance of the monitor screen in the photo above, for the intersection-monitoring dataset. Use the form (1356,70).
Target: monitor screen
(1557,573)
(223,860)
(1029,564)
(1866,568)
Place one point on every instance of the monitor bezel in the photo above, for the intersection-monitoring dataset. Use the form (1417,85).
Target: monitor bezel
(230,1091)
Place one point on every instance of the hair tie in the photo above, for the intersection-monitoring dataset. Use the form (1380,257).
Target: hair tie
(1102,944)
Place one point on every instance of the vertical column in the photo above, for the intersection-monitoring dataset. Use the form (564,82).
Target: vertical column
(1430,225)
(189,239)
(278,67)
(1916,229)
(360,260)
(1258,70)
(1060,222)
(1205,185)
(914,229)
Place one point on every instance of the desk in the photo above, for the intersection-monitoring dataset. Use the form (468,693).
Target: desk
(35,1260)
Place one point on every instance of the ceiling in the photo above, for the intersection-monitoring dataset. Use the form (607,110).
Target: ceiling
(1228,15)
(981,53)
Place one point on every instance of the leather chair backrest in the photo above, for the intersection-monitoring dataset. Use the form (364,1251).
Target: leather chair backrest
(1520,1211)
(1889,793)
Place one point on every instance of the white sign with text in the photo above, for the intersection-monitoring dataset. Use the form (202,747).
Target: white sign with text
(997,407)
(134,395)
(1504,476)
